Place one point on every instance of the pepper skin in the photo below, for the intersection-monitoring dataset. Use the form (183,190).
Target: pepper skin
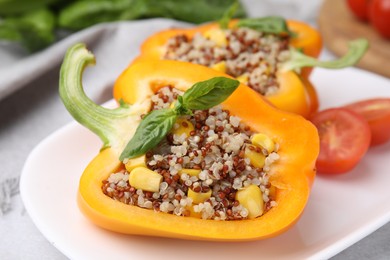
(292,175)
(294,96)
(313,97)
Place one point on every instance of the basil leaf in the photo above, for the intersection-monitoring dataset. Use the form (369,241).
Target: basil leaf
(152,129)
(357,48)
(228,15)
(180,108)
(206,94)
(269,24)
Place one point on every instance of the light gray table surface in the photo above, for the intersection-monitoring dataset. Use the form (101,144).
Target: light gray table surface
(34,111)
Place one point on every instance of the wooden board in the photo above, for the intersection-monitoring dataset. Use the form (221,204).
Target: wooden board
(338,26)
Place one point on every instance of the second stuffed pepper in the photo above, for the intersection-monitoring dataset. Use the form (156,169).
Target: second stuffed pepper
(269,54)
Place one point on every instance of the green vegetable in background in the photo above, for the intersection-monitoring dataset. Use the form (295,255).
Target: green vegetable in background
(195,11)
(14,7)
(33,23)
(34,30)
(85,13)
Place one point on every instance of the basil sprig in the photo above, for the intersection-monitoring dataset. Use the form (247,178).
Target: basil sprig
(228,15)
(157,123)
(270,24)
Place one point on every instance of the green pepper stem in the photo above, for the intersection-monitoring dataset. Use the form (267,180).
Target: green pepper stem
(108,124)
(356,50)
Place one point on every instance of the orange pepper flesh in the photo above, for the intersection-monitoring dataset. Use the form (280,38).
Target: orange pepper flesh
(292,175)
(293,95)
(307,38)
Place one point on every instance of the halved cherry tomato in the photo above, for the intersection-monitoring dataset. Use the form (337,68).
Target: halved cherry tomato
(359,8)
(379,13)
(377,113)
(344,139)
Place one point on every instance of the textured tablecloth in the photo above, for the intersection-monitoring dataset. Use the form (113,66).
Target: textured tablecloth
(30,110)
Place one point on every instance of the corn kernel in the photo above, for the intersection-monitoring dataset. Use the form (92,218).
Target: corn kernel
(135,162)
(145,179)
(256,159)
(263,141)
(193,213)
(198,197)
(220,66)
(251,198)
(243,79)
(216,35)
(191,172)
(183,126)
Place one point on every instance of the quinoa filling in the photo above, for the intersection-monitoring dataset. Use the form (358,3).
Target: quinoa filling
(207,165)
(246,54)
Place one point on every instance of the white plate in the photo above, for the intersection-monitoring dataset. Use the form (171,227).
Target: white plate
(341,210)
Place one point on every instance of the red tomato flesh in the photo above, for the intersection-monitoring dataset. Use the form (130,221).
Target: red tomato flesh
(359,8)
(377,113)
(344,139)
(379,13)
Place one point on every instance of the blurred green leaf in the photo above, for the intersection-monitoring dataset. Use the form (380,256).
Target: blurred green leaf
(82,14)
(15,7)
(22,21)
(34,30)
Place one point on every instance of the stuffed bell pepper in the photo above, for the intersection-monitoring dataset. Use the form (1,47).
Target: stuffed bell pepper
(190,153)
(272,56)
